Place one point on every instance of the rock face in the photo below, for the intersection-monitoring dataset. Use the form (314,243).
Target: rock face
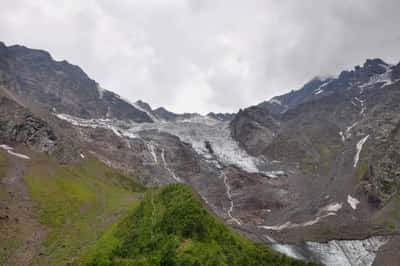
(373,73)
(18,125)
(315,165)
(35,78)
(254,128)
(325,120)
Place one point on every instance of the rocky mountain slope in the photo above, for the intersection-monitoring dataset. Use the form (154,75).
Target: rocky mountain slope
(170,227)
(313,173)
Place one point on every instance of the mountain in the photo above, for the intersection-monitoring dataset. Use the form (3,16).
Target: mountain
(313,174)
(37,80)
(373,73)
(170,227)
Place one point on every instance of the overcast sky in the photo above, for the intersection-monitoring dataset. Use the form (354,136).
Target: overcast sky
(205,55)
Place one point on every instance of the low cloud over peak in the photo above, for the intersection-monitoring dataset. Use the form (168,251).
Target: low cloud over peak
(203,55)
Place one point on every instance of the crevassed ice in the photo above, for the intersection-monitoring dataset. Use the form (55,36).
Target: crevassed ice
(194,131)
(337,252)
(347,252)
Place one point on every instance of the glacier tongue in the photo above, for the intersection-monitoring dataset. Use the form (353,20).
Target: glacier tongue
(335,252)
(195,131)
(347,252)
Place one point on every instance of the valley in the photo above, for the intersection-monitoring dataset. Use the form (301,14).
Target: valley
(312,174)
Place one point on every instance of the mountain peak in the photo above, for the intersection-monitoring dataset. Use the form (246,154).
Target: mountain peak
(144,105)
(374,62)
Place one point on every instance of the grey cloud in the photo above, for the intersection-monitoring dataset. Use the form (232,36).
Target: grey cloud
(205,55)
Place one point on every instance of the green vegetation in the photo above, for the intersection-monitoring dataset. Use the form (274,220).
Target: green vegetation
(362,169)
(3,166)
(323,162)
(327,155)
(76,203)
(308,165)
(9,244)
(3,77)
(170,227)
(393,210)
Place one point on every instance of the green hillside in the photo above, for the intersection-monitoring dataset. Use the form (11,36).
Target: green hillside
(170,227)
(76,203)
(91,214)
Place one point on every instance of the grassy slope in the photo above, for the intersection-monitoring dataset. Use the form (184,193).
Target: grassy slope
(170,227)
(6,243)
(76,203)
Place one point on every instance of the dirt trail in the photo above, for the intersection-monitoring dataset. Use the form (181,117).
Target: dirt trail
(21,232)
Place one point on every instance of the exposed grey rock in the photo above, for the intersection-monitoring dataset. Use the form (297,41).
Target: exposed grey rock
(18,125)
(37,80)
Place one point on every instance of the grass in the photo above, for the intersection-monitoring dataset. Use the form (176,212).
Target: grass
(362,169)
(76,203)
(3,167)
(323,162)
(6,244)
(393,214)
(170,227)
(3,77)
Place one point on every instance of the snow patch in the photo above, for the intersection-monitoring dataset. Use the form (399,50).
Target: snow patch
(275,101)
(152,117)
(333,207)
(318,91)
(11,152)
(347,133)
(385,79)
(359,147)
(275,174)
(342,136)
(362,105)
(114,125)
(82,156)
(100,91)
(149,114)
(353,202)
(5,147)
(324,212)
